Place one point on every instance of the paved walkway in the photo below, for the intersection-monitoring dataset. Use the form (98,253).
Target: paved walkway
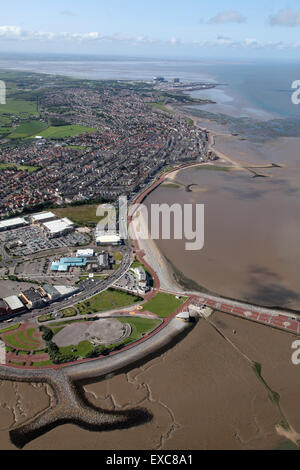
(269,318)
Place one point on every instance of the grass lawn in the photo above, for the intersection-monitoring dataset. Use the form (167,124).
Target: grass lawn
(22,341)
(44,318)
(10,328)
(170,185)
(41,364)
(28,129)
(82,349)
(80,215)
(163,304)
(18,107)
(161,107)
(57,329)
(59,132)
(12,166)
(140,326)
(214,168)
(108,300)
(69,312)
(40,351)
(118,256)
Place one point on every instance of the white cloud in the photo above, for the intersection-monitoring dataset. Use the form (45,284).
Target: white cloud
(228,17)
(285,17)
(17,34)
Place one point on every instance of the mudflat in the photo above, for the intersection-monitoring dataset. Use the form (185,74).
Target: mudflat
(203,393)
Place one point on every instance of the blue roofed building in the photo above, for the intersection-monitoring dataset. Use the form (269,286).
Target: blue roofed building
(64,264)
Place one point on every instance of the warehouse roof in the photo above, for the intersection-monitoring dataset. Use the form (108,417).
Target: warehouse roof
(42,216)
(13,302)
(57,226)
(108,239)
(12,222)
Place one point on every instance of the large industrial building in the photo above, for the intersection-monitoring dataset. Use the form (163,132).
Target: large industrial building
(64,264)
(59,227)
(113,239)
(58,292)
(14,304)
(42,217)
(10,224)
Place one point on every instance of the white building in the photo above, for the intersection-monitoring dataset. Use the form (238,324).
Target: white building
(140,274)
(66,291)
(42,217)
(108,239)
(142,279)
(88,253)
(59,227)
(12,223)
(14,304)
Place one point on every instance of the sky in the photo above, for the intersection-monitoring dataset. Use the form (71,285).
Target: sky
(171,28)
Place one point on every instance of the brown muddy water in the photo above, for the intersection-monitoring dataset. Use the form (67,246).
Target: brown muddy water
(252,225)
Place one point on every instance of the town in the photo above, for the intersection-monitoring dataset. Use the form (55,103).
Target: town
(125,134)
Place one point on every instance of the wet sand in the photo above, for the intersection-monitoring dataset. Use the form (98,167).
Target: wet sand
(217,400)
(252,250)
(18,403)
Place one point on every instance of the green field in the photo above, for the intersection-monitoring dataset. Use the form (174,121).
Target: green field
(18,107)
(10,328)
(140,326)
(170,185)
(24,340)
(41,364)
(161,107)
(60,132)
(69,312)
(108,300)
(163,304)
(82,349)
(80,215)
(28,129)
(12,166)
(44,318)
(214,168)
(118,256)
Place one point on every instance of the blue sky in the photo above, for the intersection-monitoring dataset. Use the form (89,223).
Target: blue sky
(191,28)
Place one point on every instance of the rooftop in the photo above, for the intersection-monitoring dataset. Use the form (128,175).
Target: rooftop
(57,226)
(64,264)
(12,222)
(13,302)
(42,216)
